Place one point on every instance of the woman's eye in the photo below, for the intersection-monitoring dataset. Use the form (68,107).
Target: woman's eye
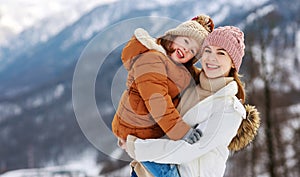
(193,52)
(221,53)
(207,51)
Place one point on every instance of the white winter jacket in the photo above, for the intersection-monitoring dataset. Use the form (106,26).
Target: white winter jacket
(221,114)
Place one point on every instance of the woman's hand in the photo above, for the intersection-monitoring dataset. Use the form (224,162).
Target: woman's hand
(123,145)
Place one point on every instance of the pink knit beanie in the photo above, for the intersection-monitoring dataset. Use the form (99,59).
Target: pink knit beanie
(229,38)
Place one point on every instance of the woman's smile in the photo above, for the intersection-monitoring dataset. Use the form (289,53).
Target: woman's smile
(216,62)
(212,66)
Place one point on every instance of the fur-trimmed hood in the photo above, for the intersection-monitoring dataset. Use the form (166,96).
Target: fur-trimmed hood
(247,130)
(140,42)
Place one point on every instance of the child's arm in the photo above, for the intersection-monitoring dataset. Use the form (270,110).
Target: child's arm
(152,82)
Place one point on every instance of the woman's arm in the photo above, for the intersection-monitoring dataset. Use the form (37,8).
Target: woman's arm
(221,128)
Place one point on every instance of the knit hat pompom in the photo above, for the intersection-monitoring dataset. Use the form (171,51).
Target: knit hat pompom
(205,21)
(229,38)
(197,28)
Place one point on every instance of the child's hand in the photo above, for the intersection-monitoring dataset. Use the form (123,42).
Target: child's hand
(122,143)
(193,135)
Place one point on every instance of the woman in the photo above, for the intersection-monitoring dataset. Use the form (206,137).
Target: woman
(221,115)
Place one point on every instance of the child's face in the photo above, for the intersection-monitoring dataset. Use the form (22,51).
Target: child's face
(216,62)
(185,49)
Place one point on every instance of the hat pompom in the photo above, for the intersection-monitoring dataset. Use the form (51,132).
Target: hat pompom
(205,21)
(197,28)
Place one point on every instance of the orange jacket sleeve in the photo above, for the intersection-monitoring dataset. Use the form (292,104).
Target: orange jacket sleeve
(152,83)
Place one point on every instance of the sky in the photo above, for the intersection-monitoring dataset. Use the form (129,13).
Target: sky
(16,15)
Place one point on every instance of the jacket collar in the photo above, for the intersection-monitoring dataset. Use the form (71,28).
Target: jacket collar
(213,85)
(149,42)
(230,89)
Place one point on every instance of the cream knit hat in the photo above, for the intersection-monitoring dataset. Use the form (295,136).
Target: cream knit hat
(197,28)
(229,38)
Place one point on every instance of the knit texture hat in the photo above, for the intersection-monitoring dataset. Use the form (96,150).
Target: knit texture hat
(229,38)
(197,28)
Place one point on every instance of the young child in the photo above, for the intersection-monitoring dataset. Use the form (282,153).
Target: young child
(158,72)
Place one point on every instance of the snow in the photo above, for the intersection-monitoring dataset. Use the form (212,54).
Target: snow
(278,61)
(107,18)
(85,164)
(166,3)
(258,13)
(222,14)
(242,3)
(17,15)
(84,33)
(59,90)
(298,42)
(155,3)
(295,109)
(37,102)
(9,109)
(82,166)
(45,98)
(259,83)
(297,55)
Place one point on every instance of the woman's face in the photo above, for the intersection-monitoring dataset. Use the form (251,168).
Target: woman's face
(185,48)
(216,62)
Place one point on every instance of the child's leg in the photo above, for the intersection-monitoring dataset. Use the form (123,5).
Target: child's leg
(133,174)
(161,170)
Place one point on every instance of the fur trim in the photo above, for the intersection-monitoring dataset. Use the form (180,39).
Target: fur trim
(247,130)
(148,41)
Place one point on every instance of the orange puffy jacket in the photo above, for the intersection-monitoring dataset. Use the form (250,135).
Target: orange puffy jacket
(147,108)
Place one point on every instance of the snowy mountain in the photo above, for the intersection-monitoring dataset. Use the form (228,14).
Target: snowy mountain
(16,16)
(37,119)
(26,51)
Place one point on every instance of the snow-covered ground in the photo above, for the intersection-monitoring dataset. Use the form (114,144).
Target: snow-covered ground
(84,166)
(62,171)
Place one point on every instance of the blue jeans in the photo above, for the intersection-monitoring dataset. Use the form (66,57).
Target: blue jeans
(160,170)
